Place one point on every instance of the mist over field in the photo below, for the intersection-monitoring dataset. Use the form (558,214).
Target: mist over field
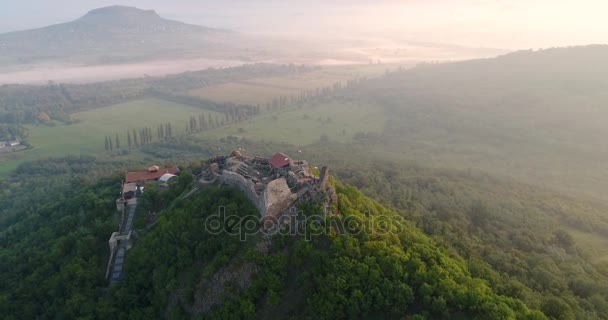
(311,32)
(266,159)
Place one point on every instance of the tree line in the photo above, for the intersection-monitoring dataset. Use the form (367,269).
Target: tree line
(26,103)
(139,137)
(136,138)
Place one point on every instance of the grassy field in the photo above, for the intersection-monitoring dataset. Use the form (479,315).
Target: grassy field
(87,136)
(264,90)
(338,121)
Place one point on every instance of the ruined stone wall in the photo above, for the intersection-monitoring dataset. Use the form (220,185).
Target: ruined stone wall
(238,181)
(278,197)
(324,178)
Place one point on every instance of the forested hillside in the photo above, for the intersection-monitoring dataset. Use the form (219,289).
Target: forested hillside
(56,254)
(53,240)
(363,271)
(538,116)
(527,242)
(469,246)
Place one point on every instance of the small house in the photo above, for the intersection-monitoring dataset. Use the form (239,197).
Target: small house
(279,161)
(152,174)
(166,179)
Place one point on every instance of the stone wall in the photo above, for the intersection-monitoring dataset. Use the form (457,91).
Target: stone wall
(324,178)
(278,197)
(275,197)
(246,186)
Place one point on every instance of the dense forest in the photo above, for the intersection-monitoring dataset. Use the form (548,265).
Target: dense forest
(56,253)
(53,248)
(336,275)
(469,246)
(517,237)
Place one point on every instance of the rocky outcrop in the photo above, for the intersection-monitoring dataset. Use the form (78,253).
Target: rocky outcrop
(278,198)
(247,186)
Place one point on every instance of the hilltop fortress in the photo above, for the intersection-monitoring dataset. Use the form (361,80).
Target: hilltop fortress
(274,184)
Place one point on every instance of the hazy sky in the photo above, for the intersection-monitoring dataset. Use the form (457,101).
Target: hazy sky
(510,24)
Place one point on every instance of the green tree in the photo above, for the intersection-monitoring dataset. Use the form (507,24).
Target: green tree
(556,308)
(563,239)
(152,198)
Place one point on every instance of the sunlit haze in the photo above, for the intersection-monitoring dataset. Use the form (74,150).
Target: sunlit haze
(514,24)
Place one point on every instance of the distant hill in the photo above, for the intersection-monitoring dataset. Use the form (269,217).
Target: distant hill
(110,34)
(536,115)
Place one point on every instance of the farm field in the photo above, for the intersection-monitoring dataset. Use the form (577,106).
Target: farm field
(339,121)
(87,136)
(264,90)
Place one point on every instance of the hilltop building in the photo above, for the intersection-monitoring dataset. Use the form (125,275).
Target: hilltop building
(153,173)
(273,184)
(134,180)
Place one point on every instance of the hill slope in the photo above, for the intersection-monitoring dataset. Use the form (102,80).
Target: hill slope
(538,116)
(179,269)
(110,33)
(476,257)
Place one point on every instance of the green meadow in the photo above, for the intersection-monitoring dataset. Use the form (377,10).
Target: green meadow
(336,121)
(87,135)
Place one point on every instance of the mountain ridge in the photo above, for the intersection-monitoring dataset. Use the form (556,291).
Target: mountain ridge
(120,9)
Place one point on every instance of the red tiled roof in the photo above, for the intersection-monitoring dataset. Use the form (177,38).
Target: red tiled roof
(279,160)
(147,175)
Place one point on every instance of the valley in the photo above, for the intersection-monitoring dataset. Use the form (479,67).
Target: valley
(157,169)
(85,135)
(120,42)
(42,73)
